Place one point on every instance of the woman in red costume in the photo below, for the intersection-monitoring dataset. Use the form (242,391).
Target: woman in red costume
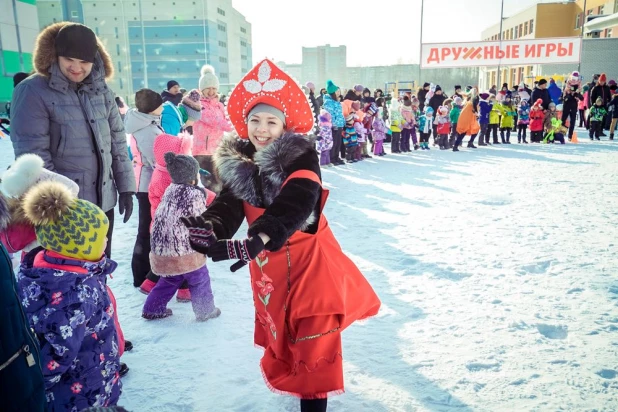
(306,291)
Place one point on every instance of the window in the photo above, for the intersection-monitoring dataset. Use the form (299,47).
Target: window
(609,33)
(512,30)
(74,14)
(601,9)
(120,83)
(521,30)
(243,43)
(116,31)
(118,50)
(243,30)
(222,44)
(221,12)
(221,27)
(119,68)
(223,59)
(525,28)
(223,75)
(243,57)
(577,20)
(531,26)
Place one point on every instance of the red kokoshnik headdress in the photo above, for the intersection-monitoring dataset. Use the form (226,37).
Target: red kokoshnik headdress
(266,83)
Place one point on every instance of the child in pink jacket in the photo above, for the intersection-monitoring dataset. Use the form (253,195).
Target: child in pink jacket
(208,130)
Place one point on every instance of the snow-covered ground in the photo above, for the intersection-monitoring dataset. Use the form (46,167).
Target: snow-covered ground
(497,273)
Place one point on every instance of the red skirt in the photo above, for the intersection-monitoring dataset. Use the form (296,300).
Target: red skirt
(305,295)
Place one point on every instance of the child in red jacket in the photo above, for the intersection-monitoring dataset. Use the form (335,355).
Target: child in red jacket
(537,118)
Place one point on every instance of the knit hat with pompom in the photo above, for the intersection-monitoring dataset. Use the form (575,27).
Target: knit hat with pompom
(208,77)
(331,87)
(183,169)
(66,225)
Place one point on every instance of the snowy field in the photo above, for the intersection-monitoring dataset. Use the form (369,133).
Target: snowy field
(497,273)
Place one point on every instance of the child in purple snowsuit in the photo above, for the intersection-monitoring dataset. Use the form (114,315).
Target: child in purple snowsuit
(172,256)
(379,133)
(325,137)
(63,291)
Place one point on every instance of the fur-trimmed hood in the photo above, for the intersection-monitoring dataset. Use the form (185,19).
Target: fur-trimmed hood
(44,55)
(256,177)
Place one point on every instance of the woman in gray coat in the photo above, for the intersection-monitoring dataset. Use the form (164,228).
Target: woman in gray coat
(67,114)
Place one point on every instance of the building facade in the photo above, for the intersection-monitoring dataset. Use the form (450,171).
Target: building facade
(152,42)
(18,30)
(543,20)
(323,63)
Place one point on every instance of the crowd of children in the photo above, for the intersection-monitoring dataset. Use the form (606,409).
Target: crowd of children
(549,118)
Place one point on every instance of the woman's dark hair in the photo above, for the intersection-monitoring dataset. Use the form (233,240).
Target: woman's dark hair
(334,96)
(380,102)
(322,91)
(119,102)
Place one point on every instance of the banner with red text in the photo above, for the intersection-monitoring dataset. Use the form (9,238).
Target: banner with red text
(505,53)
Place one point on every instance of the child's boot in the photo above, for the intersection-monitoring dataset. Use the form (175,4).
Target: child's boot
(147,286)
(183,296)
(216,312)
(154,316)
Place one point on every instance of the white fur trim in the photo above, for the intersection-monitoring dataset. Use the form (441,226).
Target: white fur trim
(24,173)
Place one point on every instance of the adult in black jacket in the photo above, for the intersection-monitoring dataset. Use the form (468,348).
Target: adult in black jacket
(570,99)
(457,93)
(367,98)
(172,94)
(422,93)
(541,92)
(435,102)
(320,98)
(22,387)
(602,90)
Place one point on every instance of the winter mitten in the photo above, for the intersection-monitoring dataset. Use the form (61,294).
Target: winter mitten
(125,205)
(201,235)
(243,250)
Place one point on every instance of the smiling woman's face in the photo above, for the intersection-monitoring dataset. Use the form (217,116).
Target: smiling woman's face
(264,128)
(73,69)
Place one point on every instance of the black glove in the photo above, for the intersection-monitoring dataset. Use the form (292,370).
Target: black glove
(201,235)
(125,205)
(244,250)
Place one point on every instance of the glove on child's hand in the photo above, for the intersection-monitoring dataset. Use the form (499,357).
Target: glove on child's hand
(201,235)
(243,250)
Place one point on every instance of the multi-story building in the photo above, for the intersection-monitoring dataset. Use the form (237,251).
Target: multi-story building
(154,41)
(323,63)
(18,30)
(601,19)
(543,20)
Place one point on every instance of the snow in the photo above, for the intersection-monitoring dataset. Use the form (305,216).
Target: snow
(496,269)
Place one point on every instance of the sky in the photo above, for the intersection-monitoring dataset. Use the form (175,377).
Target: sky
(381,32)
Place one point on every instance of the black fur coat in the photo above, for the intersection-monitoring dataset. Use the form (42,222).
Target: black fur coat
(256,177)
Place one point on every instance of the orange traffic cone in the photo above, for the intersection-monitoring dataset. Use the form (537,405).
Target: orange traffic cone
(574,138)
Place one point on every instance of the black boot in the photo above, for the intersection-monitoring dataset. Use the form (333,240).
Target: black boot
(611,136)
(128,346)
(124,369)
(313,405)
(472,146)
(455,149)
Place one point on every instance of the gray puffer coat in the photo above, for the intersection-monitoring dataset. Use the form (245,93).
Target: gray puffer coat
(75,128)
